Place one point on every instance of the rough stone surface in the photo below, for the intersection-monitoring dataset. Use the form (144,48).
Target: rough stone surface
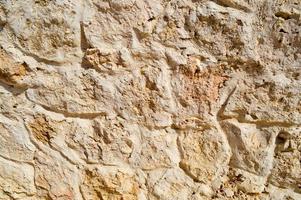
(150,99)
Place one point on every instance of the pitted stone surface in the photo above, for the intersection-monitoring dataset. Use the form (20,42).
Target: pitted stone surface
(150,99)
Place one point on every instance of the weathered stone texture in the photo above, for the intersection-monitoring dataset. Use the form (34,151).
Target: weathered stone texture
(150,99)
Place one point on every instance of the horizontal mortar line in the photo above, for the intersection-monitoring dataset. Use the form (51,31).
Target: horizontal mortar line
(68,114)
(16,161)
(73,115)
(263,123)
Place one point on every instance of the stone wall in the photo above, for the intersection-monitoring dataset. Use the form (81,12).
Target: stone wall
(150,99)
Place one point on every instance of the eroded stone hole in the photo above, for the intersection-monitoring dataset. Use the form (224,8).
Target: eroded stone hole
(282,137)
(283,143)
(280,140)
(283,15)
(151,19)
(254,116)
(282,30)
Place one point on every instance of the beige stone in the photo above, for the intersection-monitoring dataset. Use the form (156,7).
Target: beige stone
(150,99)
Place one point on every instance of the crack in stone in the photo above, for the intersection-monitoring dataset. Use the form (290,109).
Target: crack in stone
(220,113)
(84,44)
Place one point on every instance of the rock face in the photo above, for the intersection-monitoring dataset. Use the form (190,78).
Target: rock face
(150,99)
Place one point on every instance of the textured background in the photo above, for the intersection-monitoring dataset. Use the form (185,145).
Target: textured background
(150,99)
